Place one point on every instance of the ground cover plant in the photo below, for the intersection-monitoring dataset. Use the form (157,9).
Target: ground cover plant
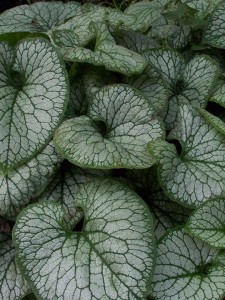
(112,153)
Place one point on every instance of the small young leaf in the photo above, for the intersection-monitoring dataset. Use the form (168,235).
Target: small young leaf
(215,29)
(186,268)
(38,17)
(34,93)
(20,186)
(12,284)
(112,258)
(198,174)
(208,223)
(127,124)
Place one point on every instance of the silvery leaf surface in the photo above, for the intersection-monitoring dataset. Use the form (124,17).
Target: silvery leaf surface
(197,173)
(34,95)
(112,258)
(187,268)
(12,284)
(65,186)
(207,223)
(38,17)
(127,124)
(21,185)
(215,28)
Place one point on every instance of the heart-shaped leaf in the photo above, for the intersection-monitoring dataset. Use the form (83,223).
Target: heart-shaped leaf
(12,284)
(207,223)
(38,17)
(112,258)
(198,174)
(21,185)
(215,29)
(127,124)
(34,93)
(186,268)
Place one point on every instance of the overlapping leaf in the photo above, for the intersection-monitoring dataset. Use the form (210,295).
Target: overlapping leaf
(186,268)
(203,7)
(23,184)
(64,188)
(207,223)
(34,93)
(146,13)
(153,87)
(167,214)
(198,173)
(111,259)
(127,124)
(106,52)
(12,284)
(193,82)
(38,17)
(215,29)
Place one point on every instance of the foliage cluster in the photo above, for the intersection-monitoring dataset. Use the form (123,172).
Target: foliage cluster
(112,153)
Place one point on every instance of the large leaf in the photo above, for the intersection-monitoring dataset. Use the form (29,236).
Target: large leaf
(207,223)
(38,17)
(21,185)
(127,124)
(33,93)
(215,29)
(112,258)
(12,284)
(198,173)
(186,268)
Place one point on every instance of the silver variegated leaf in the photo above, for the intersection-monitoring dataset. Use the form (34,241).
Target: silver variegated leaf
(12,284)
(23,184)
(215,28)
(38,17)
(112,258)
(151,84)
(197,174)
(65,187)
(127,124)
(187,268)
(146,14)
(169,63)
(34,94)
(207,223)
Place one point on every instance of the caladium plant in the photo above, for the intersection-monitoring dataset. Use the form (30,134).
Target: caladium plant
(112,151)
